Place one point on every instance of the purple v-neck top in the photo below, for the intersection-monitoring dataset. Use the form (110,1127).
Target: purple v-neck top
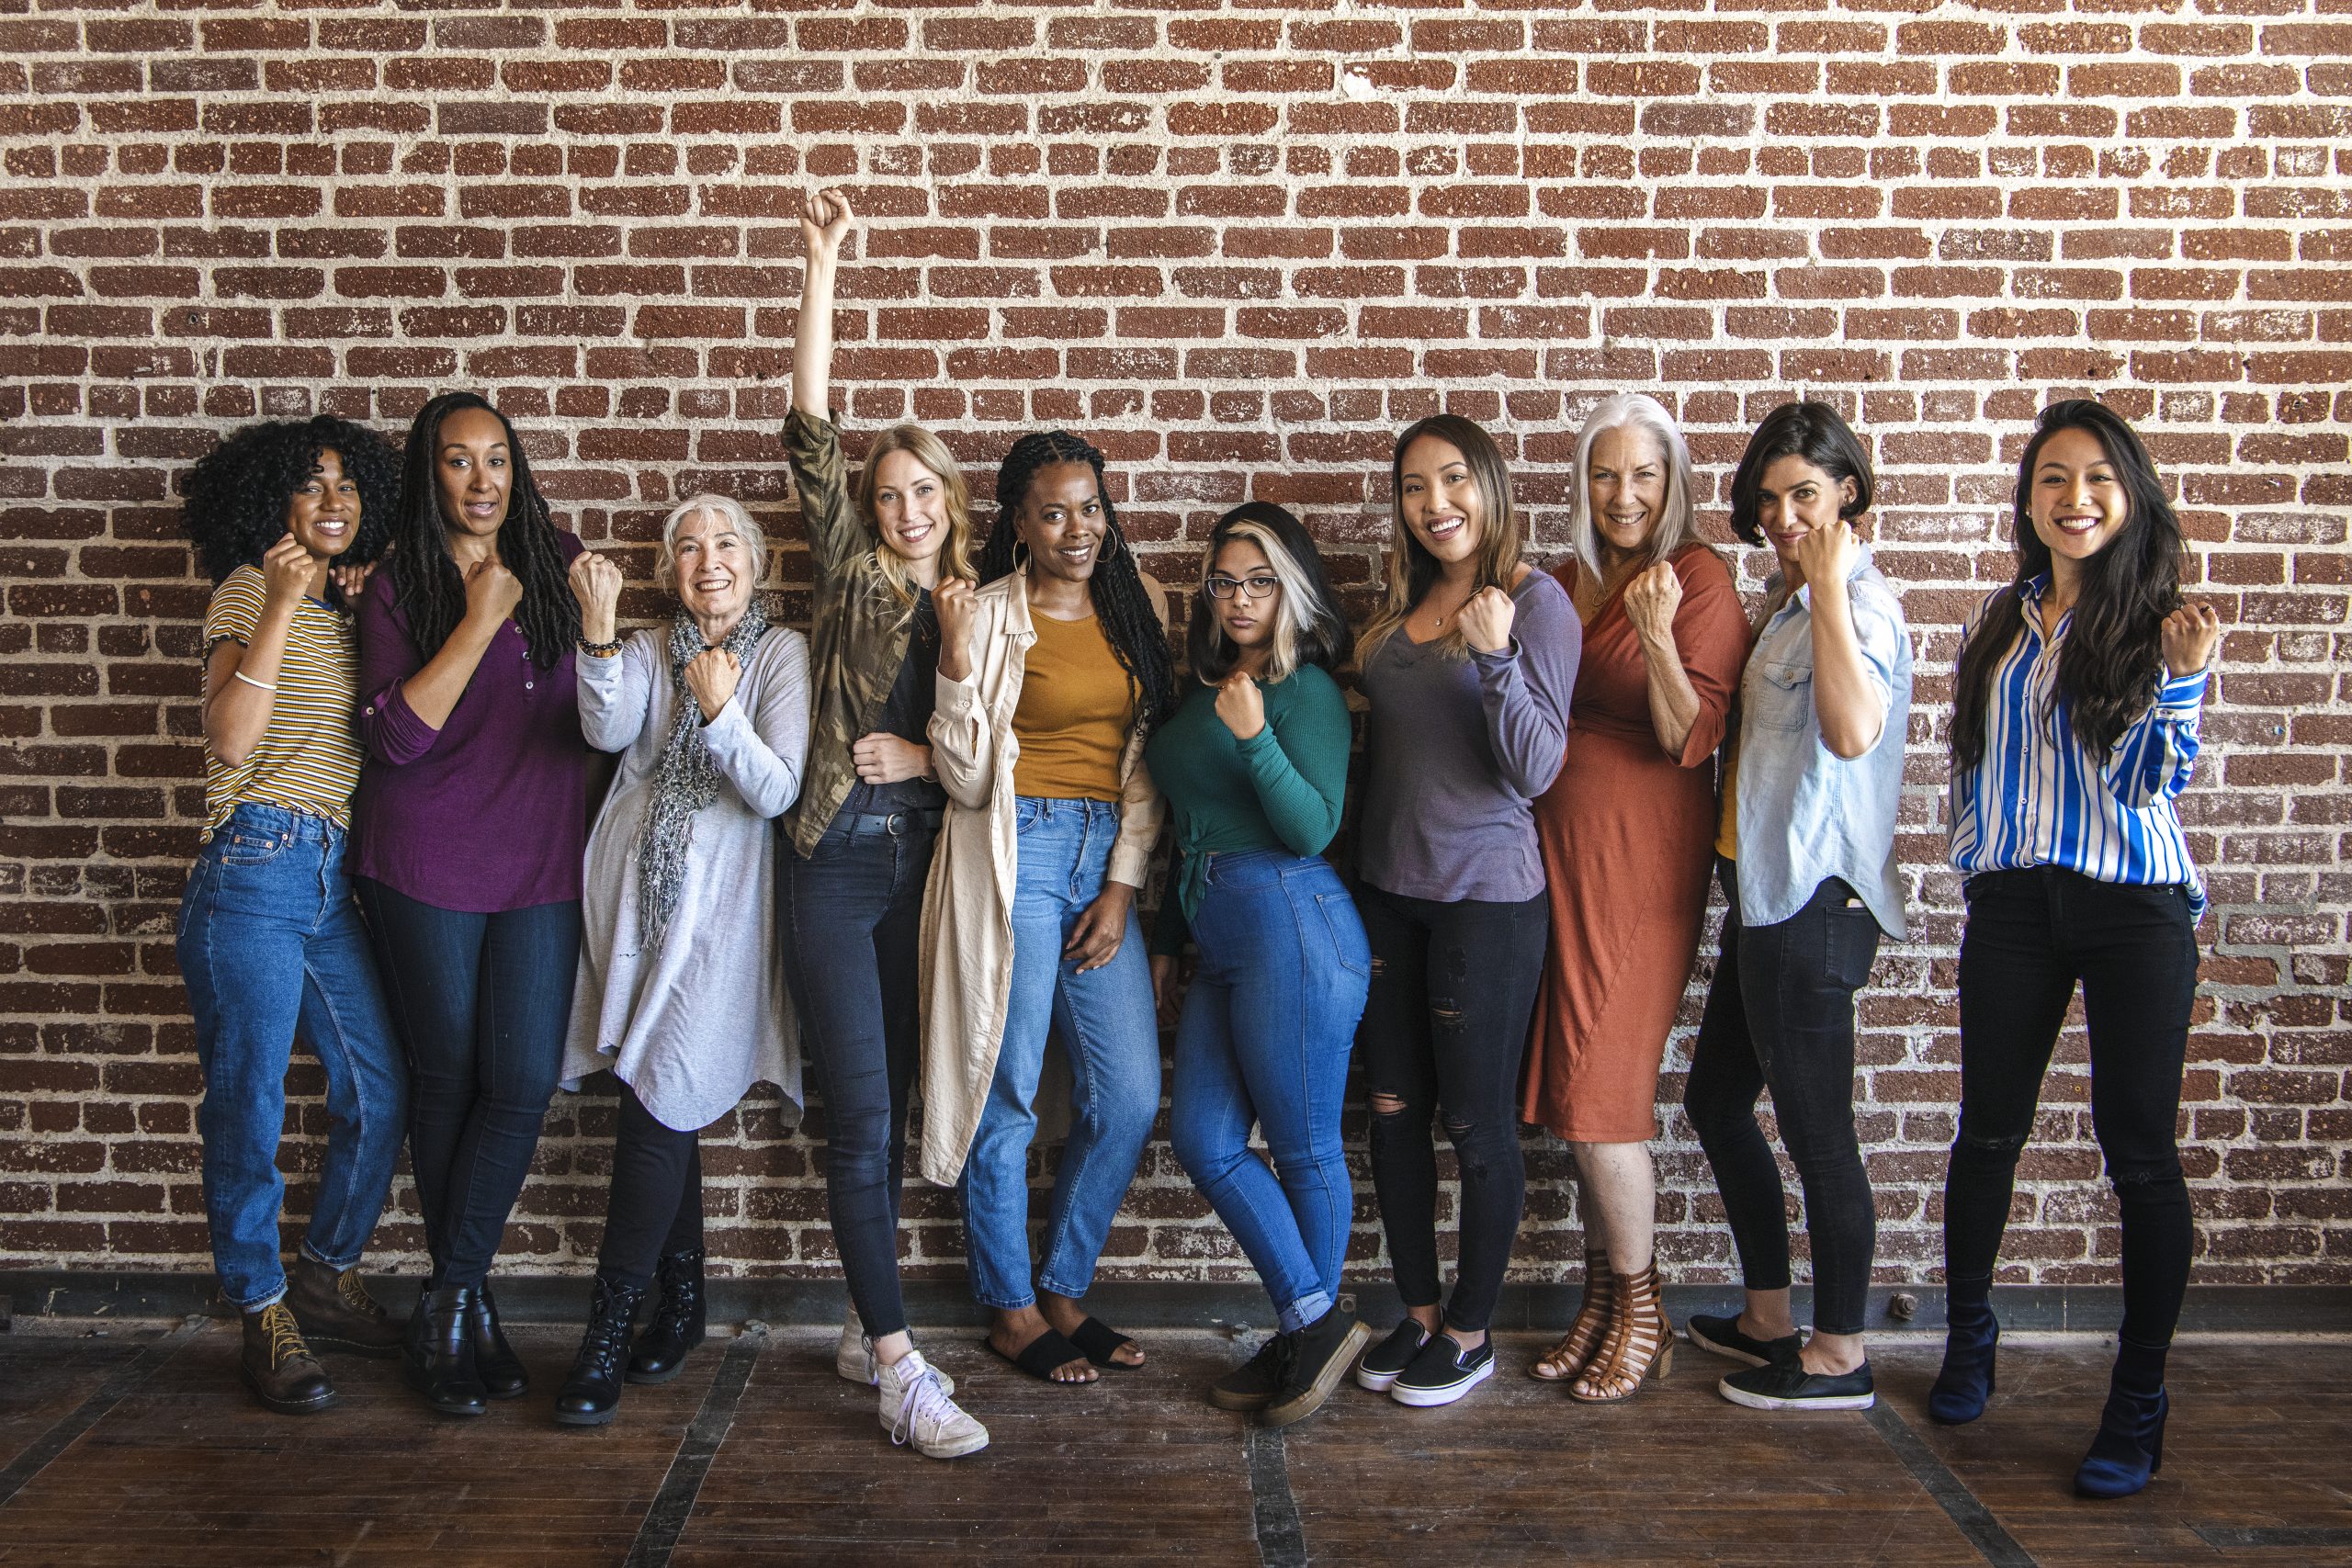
(489,812)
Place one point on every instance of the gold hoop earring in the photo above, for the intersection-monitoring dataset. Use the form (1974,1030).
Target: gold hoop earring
(1020,555)
(1112,537)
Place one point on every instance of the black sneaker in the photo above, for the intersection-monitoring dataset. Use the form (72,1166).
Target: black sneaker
(1722,1335)
(1253,1385)
(1386,1362)
(1319,1355)
(1786,1385)
(1443,1372)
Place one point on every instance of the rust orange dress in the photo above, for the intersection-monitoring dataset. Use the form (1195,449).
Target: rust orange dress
(1628,835)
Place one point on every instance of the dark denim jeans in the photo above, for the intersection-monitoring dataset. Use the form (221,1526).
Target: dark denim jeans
(851,927)
(1269,1022)
(1781,1015)
(482,1002)
(270,947)
(1446,1031)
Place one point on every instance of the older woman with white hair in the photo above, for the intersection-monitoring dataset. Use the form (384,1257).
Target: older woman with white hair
(678,992)
(1627,830)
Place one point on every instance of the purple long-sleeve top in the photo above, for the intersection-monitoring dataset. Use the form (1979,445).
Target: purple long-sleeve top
(489,812)
(1457,751)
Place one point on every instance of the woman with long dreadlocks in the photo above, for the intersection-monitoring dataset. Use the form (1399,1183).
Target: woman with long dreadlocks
(678,991)
(470,821)
(1051,680)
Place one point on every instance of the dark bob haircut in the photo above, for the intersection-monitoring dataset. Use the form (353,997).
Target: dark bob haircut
(237,492)
(1811,431)
(1311,631)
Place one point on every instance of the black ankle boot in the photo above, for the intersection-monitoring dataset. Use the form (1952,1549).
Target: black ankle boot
(677,1325)
(2129,1447)
(1971,1334)
(500,1369)
(593,1391)
(439,1360)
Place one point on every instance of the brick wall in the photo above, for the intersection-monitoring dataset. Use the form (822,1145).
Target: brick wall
(1238,244)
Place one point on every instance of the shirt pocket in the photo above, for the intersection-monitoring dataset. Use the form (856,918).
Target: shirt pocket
(1780,697)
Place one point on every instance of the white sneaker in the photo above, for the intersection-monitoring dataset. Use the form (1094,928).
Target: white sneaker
(854,1358)
(917,1413)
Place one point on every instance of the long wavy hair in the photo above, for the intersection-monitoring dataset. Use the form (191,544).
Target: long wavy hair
(237,493)
(1310,628)
(2109,670)
(955,551)
(425,584)
(1411,568)
(1122,605)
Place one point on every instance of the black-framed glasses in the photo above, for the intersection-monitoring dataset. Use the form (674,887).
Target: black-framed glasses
(1250,587)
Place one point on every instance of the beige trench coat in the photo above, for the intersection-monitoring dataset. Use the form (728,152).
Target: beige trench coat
(968,903)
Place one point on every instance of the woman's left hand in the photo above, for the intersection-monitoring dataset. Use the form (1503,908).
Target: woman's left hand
(711,676)
(1103,928)
(1651,600)
(888,760)
(1487,620)
(2189,635)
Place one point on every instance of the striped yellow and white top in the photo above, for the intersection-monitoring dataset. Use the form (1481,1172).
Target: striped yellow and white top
(308,759)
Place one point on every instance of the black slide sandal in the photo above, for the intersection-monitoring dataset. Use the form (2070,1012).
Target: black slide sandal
(1042,1356)
(1099,1342)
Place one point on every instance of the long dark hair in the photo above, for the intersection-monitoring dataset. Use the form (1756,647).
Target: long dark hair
(425,584)
(1122,605)
(237,492)
(2107,672)
(1411,568)
(1312,630)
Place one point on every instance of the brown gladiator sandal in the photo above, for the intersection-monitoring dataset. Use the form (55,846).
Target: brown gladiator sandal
(1640,1344)
(1566,1359)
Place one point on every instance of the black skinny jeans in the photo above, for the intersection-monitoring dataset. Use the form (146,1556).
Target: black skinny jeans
(653,1208)
(1445,1032)
(2031,936)
(1780,1016)
(851,927)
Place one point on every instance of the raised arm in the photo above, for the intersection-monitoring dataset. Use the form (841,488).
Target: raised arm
(963,743)
(811,445)
(1850,698)
(761,751)
(400,717)
(824,219)
(1526,657)
(246,631)
(2154,759)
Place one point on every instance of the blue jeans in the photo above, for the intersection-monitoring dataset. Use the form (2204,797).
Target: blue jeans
(1268,1025)
(270,947)
(482,1002)
(1105,1019)
(851,927)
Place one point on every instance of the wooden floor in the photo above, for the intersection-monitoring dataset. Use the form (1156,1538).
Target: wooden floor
(138,1450)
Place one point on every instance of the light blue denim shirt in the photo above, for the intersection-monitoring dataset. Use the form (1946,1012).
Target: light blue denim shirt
(1806,813)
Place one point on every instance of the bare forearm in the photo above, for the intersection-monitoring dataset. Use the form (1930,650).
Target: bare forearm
(812,343)
(1674,702)
(433,692)
(1845,699)
(236,713)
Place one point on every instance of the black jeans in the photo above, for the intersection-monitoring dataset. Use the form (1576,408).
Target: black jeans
(2031,936)
(1781,1015)
(850,926)
(654,1206)
(482,1003)
(1445,1032)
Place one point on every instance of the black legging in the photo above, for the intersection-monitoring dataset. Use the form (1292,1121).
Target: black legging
(654,1207)
(1781,1013)
(2030,936)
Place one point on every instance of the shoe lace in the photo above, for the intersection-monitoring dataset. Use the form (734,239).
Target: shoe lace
(354,1294)
(285,1341)
(922,1404)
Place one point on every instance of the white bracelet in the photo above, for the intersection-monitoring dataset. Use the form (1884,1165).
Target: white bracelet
(249,681)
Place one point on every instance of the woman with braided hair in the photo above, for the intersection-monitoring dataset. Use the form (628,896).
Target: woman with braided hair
(1051,679)
(471,819)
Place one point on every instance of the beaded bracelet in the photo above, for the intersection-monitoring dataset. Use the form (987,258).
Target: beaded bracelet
(600,649)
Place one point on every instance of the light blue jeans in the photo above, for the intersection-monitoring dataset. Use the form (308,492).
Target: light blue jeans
(1105,1020)
(271,946)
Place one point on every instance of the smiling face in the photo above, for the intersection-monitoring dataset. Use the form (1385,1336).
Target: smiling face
(473,472)
(711,566)
(1626,475)
(1439,502)
(323,511)
(909,506)
(2076,499)
(1792,499)
(1062,521)
(1248,622)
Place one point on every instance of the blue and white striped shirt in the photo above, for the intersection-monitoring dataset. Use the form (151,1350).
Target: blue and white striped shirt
(2038,797)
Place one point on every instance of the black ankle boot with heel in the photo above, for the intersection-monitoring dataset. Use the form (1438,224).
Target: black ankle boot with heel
(2129,1447)
(500,1370)
(593,1391)
(1971,1334)
(439,1359)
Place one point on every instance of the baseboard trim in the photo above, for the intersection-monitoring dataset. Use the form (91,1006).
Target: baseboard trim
(1144,1303)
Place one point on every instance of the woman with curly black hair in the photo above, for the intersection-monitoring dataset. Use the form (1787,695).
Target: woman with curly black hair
(1051,680)
(472,820)
(269,943)
(2074,713)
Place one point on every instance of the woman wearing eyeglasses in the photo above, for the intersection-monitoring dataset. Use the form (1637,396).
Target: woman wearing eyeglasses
(1254,767)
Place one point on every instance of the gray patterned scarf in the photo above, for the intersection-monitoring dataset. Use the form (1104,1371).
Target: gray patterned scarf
(685,781)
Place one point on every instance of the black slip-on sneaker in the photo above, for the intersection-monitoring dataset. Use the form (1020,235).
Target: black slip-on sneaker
(1443,1372)
(1386,1362)
(1253,1385)
(1786,1385)
(1721,1336)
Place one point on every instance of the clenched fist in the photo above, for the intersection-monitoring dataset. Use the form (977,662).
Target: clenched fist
(1651,600)
(1241,705)
(596,583)
(711,676)
(952,602)
(1487,620)
(1827,553)
(492,591)
(2190,634)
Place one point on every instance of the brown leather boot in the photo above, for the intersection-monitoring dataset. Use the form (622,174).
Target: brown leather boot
(278,1367)
(336,1313)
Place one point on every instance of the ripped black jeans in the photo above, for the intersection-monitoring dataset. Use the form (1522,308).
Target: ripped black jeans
(2030,936)
(1444,1034)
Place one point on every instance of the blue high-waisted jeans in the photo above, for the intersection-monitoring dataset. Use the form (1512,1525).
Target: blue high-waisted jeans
(1269,1022)
(271,946)
(1105,1020)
